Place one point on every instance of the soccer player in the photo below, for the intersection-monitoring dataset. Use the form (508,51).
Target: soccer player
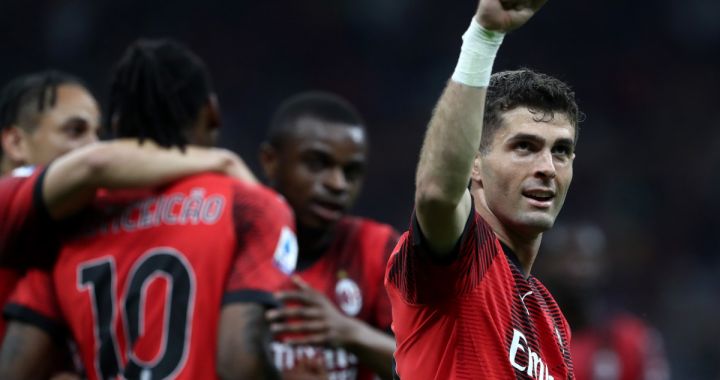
(315,155)
(36,128)
(47,114)
(44,115)
(168,282)
(608,341)
(465,305)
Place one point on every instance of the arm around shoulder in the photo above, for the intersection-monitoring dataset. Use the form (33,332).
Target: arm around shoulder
(71,181)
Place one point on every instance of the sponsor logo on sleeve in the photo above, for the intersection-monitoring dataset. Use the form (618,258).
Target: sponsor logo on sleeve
(23,171)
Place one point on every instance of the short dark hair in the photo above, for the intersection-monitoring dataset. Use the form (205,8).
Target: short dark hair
(542,94)
(157,91)
(322,105)
(26,97)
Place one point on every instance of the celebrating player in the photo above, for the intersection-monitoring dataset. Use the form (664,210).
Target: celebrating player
(315,156)
(43,115)
(464,303)
(142,276)
(47,114)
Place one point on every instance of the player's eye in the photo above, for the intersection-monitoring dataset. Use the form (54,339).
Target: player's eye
(354,172)
(523,146)
(75,128)
(316,162)
(562,150)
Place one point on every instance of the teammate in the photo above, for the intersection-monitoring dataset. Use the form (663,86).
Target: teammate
(464,303)
(36,128)
(190,247)
(315,155)
(608,341)
(43,115)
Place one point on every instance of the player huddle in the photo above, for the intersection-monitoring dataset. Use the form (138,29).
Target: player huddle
(156,256)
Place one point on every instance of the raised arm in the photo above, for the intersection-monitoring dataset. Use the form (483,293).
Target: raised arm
(451,143)
(71,181)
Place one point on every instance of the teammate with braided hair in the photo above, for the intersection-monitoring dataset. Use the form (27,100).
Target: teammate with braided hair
(162,274)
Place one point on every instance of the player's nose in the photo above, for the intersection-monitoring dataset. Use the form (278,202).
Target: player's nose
(545,165)
(335,180)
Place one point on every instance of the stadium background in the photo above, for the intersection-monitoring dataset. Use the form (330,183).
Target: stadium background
(646,73)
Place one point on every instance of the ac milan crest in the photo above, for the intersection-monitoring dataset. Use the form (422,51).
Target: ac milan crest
(348,296)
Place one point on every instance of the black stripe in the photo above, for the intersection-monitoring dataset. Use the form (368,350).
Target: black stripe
(251,296)
(19,313)
(38,199)
(419,240)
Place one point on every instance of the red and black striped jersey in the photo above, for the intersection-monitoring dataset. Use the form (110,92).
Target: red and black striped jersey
(22,238)
(474,315)
(349,273)
(142,276)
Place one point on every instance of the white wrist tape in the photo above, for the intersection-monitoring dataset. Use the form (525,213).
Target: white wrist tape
(479,48)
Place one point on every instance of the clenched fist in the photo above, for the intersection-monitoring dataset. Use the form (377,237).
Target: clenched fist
(506,15)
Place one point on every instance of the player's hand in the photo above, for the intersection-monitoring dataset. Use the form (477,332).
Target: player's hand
(234,166)
(240,170)
(316,321)
(307,369)
(506,15)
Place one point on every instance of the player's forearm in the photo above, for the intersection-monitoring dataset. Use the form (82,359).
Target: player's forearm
(125,164)
(27,353)
(244,344)
(373,348)
(450,145)
(453,137)
(72,180)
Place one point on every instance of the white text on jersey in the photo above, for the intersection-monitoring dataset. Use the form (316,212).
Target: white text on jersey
(535,368)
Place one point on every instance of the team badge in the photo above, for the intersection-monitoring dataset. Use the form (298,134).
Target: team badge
(348,295)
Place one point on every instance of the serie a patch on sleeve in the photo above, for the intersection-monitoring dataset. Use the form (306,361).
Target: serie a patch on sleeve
(286,252)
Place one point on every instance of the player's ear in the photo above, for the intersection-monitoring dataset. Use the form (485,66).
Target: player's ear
(269,160)
(213,112)
(14,145)
(476,174)
(205,130)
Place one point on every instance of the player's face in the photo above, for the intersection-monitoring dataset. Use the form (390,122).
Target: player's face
(320,170)
(526,174)
(73,122)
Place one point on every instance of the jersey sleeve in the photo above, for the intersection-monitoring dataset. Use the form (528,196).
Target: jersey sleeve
(422,278)
(23,218)
(267,248)
(34,302)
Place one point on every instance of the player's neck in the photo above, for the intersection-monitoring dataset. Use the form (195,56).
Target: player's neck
(5,166)
(525,246)
(525,249)
(312,243)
